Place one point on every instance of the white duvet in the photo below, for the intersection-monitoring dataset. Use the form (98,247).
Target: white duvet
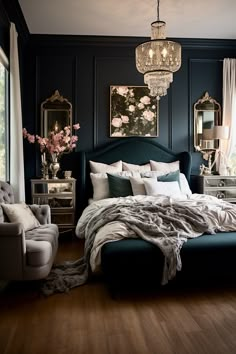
(223,213)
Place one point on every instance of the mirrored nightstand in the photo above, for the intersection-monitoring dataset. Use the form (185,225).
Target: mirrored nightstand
(59,194)
(222,187)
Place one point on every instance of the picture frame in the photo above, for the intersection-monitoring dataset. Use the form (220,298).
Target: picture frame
(133,112)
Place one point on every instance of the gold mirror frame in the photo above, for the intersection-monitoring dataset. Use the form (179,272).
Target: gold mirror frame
(207,114)
(56,113)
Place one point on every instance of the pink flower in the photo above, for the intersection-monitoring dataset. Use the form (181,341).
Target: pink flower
(31,138)
(148,115)
(57,143)
(24,133)
(131,108)
(76,126)
(122,90)
(117,134)
(140,106)
(125,119)
(116,122)
(145,100)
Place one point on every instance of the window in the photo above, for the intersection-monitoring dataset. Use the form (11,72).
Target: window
(4,118)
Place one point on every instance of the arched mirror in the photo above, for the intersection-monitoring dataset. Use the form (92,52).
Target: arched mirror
(56,113)
(207,115)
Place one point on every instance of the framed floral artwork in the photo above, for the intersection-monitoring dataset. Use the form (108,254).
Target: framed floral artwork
(133,112)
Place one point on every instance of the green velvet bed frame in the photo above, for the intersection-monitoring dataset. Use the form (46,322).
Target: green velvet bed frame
(135,261)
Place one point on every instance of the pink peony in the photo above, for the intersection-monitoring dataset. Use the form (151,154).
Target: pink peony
(122,90)
(148,115)
(116,122)
(145,100)
(125,119)
(131,108)
(141,106)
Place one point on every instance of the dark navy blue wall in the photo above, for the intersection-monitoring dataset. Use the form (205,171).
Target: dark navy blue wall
(82,68)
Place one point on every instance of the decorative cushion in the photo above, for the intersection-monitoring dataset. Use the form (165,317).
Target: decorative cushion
(170,177)
(98,167)
(154,188)
(184,186)
(137,184)
(164,167)
(21,213)
(138,168)
(119,186)
(101,185)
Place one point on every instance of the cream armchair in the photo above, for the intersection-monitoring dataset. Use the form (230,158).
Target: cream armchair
(26,255)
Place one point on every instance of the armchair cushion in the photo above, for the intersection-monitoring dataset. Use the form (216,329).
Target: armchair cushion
(40,245)
(42,213)
(21,213)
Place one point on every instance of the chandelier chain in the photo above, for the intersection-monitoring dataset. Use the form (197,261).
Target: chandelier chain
(158,3)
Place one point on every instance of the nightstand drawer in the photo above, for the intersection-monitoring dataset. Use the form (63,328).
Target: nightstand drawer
(222,193)
(219,182)
(221,187)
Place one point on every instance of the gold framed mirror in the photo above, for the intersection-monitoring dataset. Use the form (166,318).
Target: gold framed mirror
(56,113)
(207,115)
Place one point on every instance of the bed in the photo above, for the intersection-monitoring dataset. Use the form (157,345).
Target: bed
(135,261)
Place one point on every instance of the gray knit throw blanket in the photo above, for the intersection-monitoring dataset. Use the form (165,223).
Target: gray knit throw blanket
(167,226)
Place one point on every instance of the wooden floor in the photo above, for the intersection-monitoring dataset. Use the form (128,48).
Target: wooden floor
(88,320)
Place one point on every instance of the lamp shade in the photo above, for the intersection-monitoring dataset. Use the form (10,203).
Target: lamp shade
(221,132)
(207,134)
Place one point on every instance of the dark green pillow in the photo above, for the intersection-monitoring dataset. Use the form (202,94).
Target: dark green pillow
(119,186)
(170,177)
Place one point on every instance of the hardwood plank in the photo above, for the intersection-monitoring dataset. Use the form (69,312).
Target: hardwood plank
(88,320)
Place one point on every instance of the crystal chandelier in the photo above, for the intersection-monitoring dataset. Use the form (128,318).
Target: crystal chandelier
(158,59)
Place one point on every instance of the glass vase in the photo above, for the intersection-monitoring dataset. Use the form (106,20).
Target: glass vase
(44,166)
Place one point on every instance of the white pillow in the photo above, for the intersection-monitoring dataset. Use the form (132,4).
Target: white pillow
(165,167)
(153,174)
(139,168)
(128,174)
(184,186)
(21,213)
(101,185)
(98,167)
(137,185)
(154,187)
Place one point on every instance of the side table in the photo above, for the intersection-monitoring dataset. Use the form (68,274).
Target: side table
(60,195)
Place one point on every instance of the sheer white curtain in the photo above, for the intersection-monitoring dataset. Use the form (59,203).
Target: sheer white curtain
(229,106)
(17,177)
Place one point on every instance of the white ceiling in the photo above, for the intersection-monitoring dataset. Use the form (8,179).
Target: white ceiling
(184,18)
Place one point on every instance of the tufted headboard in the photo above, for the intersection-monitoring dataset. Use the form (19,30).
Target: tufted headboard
(132,150)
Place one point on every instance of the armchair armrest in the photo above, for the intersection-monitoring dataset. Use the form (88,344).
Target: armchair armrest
(12,251)
(11,229)
(42,213)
